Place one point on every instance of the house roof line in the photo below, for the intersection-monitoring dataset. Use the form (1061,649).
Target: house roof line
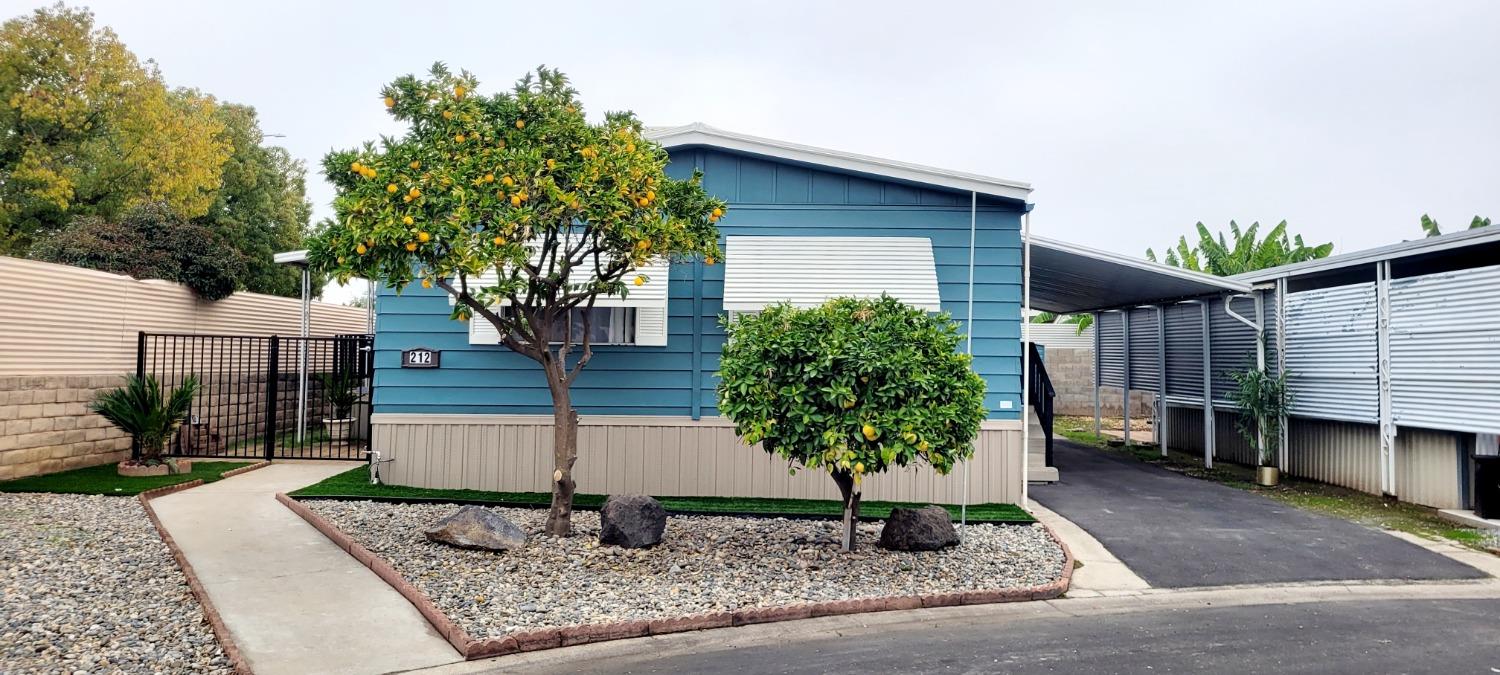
(1226,283)
(698,133)
(1477,236)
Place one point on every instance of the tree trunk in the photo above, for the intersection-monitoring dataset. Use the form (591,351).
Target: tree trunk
(850,493)
(564,454)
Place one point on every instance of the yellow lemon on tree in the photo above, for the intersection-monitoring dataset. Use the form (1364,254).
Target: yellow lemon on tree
(447,114)
(869,431)
(922,446)
(859,467)
(406,220)
(426,283)
(515,200)
(390,102)
(709,261)
(411,246)
(415,193)
(499,241)
(424,237)
(459,91)
(415,165)
(520,124)
(391,188)
(458,139)
(360,249)
(489,178)
(639,280)
(718,213)
(507,181)
(643,244)
(552,164)
(356,167)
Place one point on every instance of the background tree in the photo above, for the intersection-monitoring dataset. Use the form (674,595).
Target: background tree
(1244,252)
(149,241)
(86,129)
(520,185)
(1430,227)
(852,387)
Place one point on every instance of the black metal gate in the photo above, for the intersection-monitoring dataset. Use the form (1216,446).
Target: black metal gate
(267,397)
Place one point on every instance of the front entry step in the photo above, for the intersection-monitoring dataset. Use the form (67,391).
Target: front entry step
(1036,455)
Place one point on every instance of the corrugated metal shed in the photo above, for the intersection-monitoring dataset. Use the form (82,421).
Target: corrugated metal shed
(1111,355)
(1232,344)
(1445,350)
(1145,340)
(1185,353)
(807,271)
(1331,353)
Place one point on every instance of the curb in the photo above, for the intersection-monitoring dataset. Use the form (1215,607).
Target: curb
(245,469)
(578,634)
(211,613)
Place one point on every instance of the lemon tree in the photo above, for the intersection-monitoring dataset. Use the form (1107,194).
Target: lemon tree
(852,387)
(522,210)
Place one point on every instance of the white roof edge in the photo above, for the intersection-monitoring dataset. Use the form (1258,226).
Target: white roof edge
(298,257)
(1226,283)
(703,134)
(1482,235)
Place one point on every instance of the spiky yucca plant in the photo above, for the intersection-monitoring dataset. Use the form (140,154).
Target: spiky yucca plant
(140,409)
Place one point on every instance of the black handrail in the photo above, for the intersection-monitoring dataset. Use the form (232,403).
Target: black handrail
(1041,394)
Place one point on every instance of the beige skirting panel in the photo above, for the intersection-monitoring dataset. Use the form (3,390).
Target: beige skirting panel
(664,456)
(1342,453)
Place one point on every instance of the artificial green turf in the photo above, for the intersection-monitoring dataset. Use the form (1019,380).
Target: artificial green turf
(356,483)
(105,480)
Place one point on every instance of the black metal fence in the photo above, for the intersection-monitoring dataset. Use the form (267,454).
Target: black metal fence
(267,397)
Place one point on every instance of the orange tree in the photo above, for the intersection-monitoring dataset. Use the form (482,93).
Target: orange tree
(852,387)
(519,188)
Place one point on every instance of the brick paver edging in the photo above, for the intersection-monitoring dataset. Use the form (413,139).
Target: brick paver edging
(211,613)
(251,467)
(566,636)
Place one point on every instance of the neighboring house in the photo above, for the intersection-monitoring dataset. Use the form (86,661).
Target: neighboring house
(804,225)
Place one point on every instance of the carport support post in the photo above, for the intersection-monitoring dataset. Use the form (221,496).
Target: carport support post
(1260,362)
(1125,393)
(1098,430)
(1282,454)
(1161,379)
(1383,371)
(1208,391)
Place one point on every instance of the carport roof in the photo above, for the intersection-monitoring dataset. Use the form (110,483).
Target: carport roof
(1068,278)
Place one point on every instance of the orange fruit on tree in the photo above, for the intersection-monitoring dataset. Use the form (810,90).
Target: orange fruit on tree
(390,102)
(411,246)
(709,261)
(424,237)
(360,249)
(507,181)
(718,212)
(639,280)
(406,220)
(415,165)
(426,283)
(499,241)
(391,188)
(489,178)
(552,164)
(459,91)
(459,138)
(515,200)
(520,124)
(447,114)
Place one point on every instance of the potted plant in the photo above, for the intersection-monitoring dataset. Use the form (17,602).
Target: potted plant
(1263,401)
(140,409)
(341,391)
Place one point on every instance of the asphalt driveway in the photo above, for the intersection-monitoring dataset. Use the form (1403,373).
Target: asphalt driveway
(1181,532)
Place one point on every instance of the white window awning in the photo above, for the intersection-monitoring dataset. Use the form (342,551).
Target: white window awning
(807,271)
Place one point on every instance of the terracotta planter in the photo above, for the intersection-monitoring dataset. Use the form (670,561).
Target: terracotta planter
(1267,476)
(131,470)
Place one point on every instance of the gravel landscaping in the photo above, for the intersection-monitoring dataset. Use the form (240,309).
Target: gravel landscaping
(88,586)
(705,563)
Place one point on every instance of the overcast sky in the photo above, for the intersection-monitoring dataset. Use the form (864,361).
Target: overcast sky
(1348,119)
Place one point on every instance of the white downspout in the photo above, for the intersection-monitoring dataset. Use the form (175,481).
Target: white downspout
(1025,356)
(963,509)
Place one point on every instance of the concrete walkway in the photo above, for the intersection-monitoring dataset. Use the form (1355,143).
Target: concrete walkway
(293,601)
(1181,532)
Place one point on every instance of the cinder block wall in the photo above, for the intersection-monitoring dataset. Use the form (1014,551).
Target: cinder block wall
(1072,373)
(46,426)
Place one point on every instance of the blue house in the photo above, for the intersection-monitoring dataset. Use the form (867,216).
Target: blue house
(804,224)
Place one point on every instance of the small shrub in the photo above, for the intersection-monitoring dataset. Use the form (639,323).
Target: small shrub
(852,387)
(140,409)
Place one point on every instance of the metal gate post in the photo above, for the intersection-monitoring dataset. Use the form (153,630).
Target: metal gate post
(1383,375)
(1161,379)
(1210,427)
(140,374)
(1283,454)
(1098,433)
(1125,393)
(273,374)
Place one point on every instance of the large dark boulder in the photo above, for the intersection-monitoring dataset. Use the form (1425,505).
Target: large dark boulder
(926,529)
(632,521)
(477,527)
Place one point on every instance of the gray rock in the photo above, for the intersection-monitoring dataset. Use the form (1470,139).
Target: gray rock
(926,529)
(632,521)
(478,528)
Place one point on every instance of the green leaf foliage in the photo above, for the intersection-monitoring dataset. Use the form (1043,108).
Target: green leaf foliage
(1262,401)
(852,387)
(1243,251)
(143,410)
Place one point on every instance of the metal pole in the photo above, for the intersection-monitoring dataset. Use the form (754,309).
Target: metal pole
(1283,456)
(273,377)
(370,306)
(1098,431)
(1160,428)
(140,374)
(1260,361)
(1208,390)
(1383,373)
(1125,388)
(302,357)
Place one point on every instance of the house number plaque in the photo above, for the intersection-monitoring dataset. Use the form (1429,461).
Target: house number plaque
(421,357)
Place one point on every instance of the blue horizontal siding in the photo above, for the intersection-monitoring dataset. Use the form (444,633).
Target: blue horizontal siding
(766,199)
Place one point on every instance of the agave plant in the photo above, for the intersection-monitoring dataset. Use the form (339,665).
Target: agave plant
(140,409)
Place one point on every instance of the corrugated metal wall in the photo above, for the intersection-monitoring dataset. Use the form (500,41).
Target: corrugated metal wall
(1111,349)
(1340,453)
(1185,352)
(1427,465)
(1445,350)
(1061,335)
(1331,353)
(659,456)
(1145,340)
(61,320)
(1231,344)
